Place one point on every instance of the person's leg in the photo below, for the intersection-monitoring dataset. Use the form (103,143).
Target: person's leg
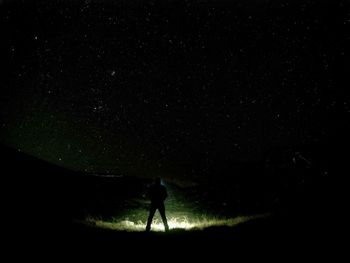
(152,210)
(161,209)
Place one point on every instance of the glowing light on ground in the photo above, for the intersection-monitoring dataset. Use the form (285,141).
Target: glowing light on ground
(183,223)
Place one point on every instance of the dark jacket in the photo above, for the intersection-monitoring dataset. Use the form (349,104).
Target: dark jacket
(158,194)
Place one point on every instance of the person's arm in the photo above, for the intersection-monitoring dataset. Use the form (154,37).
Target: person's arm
(165,193)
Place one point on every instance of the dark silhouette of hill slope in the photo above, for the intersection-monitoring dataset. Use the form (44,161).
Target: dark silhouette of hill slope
(39,201)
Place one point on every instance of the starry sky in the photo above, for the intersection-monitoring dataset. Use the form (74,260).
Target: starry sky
(177,88)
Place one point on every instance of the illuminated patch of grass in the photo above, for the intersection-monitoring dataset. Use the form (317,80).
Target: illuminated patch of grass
(175,222)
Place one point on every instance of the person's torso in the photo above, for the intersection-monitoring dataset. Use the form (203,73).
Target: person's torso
(158,193)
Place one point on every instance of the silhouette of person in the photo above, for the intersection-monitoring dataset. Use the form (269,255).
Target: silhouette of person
(157,194)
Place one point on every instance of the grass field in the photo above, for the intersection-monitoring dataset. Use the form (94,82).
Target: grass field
(176,221)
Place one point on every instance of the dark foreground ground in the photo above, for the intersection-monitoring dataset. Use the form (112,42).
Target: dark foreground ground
(262,239)
(38,205)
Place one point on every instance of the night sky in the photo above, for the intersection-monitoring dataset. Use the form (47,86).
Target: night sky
(183,89)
